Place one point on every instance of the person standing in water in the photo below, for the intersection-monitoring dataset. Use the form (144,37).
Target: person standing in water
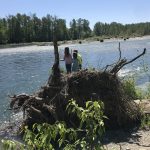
(79,57)
(68,60)
(75,63)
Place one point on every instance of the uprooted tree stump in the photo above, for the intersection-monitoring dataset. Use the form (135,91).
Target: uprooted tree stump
(49,104)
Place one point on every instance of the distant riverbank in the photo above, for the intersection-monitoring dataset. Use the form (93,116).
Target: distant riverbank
(15,45)
(79,41)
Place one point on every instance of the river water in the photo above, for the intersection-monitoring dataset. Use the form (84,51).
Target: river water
(26,69)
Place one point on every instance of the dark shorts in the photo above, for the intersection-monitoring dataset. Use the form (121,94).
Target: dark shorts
(68,68)
(80,66)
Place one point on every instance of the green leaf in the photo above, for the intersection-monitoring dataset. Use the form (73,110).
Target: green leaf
(88,103)
(39,128)
(96,104)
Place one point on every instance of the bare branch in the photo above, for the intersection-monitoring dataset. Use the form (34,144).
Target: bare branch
(144,51)
(119,52)
(124,62)
(111,65)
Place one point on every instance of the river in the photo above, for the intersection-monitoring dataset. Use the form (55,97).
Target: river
(26,69)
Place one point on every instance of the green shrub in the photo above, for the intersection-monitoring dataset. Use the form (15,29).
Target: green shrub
(147,93)
(12,145)
(132,92)
(91,123)
(145,121)
(57,136)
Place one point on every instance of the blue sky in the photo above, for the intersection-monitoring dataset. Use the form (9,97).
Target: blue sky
(122,11)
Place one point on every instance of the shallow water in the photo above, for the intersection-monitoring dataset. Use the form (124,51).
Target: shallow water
(26,69)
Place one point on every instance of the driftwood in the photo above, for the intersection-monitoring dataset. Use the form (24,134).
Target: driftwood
(49,104)
(56,70)
(55,67)
(116,67)
(122,62)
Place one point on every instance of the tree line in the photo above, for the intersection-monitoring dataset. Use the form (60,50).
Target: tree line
(21,28)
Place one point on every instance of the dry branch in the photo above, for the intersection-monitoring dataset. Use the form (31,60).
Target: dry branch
(122,62)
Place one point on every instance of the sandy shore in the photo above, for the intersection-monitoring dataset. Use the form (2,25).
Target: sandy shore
(127,140)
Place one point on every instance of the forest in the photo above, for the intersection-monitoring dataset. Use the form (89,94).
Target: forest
(22,28)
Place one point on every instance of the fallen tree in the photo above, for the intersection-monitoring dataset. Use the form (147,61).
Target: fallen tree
(49,104)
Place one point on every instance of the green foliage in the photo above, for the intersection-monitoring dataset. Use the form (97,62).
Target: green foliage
(147,93)
(91,122)
(58,136)
(118,30)
(22,28)
(3,31)
(145,121)
(79,29)
(132,92)
(12,145)
(146,69)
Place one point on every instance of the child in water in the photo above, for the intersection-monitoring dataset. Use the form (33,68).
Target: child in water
(79,57)
(75,63)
